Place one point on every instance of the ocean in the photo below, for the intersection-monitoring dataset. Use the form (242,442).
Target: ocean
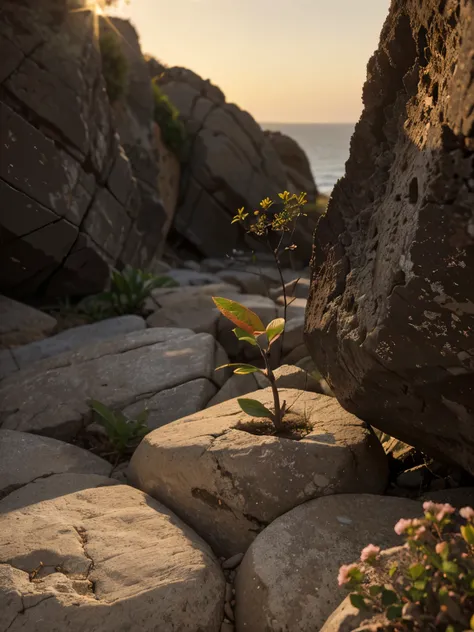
(326,145)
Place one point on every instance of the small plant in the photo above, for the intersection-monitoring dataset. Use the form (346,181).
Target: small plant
(265,221)
(166,116)
(114,66)
(431,588)
(123,433)
(249,328)
(129,291)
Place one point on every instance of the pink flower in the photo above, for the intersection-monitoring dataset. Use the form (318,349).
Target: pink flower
(467,513)
(438,510)
(441,547)
(344,574)
(419,532)
(369,554)
(445,510)
(402,525)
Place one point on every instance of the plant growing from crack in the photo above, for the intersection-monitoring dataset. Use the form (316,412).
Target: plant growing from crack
(128,292)
(249,328)
(124,433)
(265,222)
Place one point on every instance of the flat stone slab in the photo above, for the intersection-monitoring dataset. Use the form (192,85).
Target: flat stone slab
(75,337)
(95,555)
(51,398)
(229,484)
(25,457)
(199,320)
(172,296)
(288,577)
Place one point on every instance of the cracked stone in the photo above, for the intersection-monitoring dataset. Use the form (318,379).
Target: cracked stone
(244,480)
(105,557)
(25,457)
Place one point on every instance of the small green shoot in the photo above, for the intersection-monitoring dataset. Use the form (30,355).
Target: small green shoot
(123,433)
(250,329)
(128,292)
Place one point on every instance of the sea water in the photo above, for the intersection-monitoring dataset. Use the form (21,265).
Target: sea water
(325,144)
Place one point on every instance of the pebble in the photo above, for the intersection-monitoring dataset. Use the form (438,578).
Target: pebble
(229,613)
(233,561)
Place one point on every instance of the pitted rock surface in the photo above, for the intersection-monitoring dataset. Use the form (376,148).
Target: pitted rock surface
(390,319)
(229,484)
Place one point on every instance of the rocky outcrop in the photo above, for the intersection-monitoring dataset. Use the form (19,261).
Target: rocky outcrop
(229,483)
(77,207)
(95,555)
(390,316)
(231,164)
(149,158)
(295,163)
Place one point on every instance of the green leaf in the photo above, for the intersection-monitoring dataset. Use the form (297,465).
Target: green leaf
(416,571)
(375,590)
(254,408)
(389,597)
(450,568)
(238,314)
(394,612)
(244,336)
(242,369)
(467,532)
(393,570)
(142,418)
(358,601)
(102,410)
(275,329)
(420,584)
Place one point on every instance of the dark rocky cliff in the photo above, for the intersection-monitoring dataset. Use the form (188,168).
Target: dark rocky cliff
(390,322)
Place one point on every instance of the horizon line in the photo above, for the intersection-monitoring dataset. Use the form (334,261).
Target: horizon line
(308,123)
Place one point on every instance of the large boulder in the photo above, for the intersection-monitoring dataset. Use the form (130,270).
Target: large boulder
(288,577)
(154,368)
(94,555)
(229,483)
(390,316)
(231,164)
(77,208)
(296,164)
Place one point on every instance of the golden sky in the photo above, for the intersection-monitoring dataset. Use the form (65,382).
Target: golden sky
(282,60)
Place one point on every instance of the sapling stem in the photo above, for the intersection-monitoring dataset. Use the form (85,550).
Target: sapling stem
(277,420)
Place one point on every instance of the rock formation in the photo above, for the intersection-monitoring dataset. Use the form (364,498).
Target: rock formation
(296,164)
(390,316)
(73,201)
(232,163)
